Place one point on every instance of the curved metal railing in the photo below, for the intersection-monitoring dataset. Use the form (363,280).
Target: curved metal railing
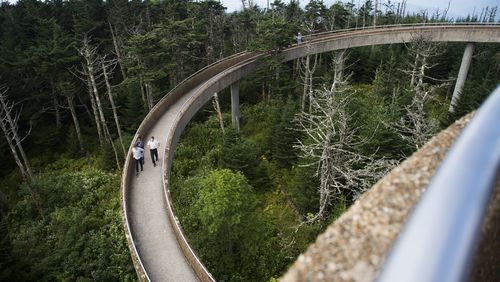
(439,240)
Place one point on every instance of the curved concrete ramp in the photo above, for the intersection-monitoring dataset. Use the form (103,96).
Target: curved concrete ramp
(158,247)
(148,204)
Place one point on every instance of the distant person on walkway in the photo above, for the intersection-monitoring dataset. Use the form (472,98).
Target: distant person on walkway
(138,154)
(153,149)
(299,38)
(140,144)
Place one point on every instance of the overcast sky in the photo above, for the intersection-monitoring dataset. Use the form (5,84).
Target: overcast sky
(458,8)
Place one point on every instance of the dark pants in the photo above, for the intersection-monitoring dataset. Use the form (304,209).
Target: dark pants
(154,155)
(137,163)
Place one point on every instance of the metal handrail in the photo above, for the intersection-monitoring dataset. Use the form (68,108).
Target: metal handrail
(440,238)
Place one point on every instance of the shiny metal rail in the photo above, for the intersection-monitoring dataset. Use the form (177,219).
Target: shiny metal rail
(439,240)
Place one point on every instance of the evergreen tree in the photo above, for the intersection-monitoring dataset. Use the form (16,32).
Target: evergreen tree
(284,136)
(235,240)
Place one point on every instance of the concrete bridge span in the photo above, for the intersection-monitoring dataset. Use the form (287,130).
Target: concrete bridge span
(158,247)
(330,41)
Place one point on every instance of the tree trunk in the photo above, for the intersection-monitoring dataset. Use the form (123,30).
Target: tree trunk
(115,151)
(12,147)
(94,110)
(113,107)
(102,118)
(339,62)
(90,57)
(56,103)
(15,137)
(75,121)
(88,53)
(9,127)
(118,52)
(414,71)
(143,94)
(309,70)
(149,95)
(306,84)
(217,110)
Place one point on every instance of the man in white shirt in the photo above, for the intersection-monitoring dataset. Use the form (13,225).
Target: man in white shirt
(138,153)
(153,149)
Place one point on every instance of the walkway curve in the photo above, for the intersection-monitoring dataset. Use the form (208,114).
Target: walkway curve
(158,248)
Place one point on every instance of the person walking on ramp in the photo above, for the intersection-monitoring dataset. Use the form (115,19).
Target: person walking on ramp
(138,154)
(140,143)
(153,149)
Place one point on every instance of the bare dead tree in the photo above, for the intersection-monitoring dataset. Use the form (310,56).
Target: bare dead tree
(8,123)
(116,45)
(89,54)
(9,127)
(107,69)
(143,93)
(55,101)
(91,73)
(307,69)
(75,121)
(216,105)
(67,91)
(415,126)
(330,146)
(149,94)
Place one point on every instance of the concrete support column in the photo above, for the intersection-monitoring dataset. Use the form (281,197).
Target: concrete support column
(462,75)
(235,105)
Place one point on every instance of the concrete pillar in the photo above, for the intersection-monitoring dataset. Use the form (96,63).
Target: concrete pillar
(462,75)
(235,105)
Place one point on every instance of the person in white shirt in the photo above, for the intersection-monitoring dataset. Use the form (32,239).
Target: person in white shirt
(138,153)
(153,149)
(140,143)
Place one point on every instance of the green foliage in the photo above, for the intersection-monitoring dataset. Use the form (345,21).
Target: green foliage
(304,188)
(273,33)
(6,259)
(81,228)
(284,135)
(231,236)
(240,155)
(372,115)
